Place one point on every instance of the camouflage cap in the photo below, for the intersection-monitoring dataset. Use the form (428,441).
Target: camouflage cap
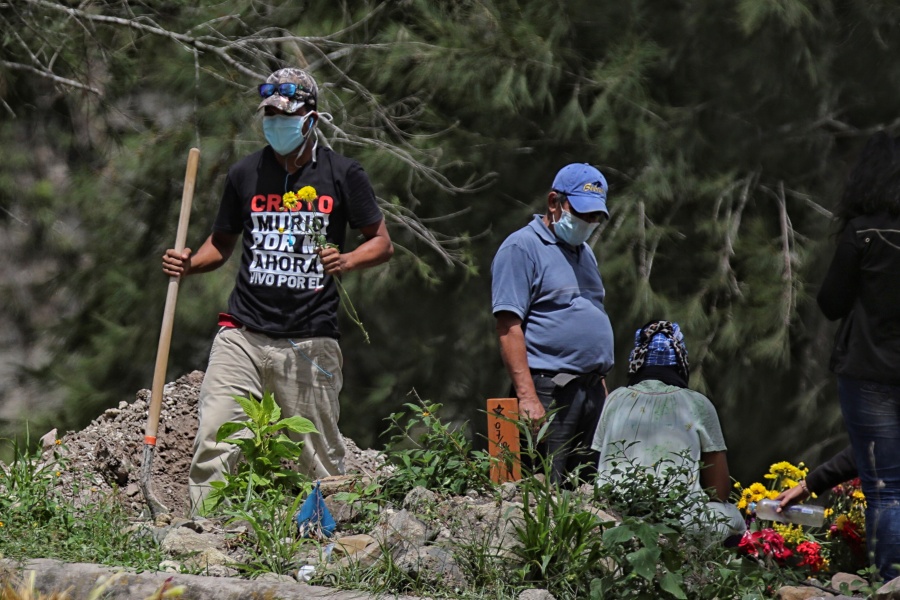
(306,94)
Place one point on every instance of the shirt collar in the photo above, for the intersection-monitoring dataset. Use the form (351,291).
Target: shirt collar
(542,231)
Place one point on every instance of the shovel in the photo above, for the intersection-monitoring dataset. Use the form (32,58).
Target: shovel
(165,340)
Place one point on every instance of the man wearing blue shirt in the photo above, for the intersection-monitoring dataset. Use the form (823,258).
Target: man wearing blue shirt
(555,336)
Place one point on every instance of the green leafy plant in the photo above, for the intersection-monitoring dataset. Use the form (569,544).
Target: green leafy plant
(276,543)
(560,538)
(658,550)
(431,454)
(574,550)
(659,493)
(368,500)
(28,482)
(265,448)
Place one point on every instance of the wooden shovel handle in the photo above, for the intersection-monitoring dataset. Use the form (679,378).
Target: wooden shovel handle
(165,333)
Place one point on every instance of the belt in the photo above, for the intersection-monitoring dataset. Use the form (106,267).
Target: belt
(563,378)
(226,320)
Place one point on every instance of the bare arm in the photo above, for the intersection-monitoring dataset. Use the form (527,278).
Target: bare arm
(212,254)
(839,468)
(796,494)
(375,250)
(512,350)
(715,474)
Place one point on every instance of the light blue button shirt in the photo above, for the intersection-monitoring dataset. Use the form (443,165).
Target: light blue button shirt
(557,291)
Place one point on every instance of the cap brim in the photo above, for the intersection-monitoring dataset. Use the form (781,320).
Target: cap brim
(588,203)
(286,105)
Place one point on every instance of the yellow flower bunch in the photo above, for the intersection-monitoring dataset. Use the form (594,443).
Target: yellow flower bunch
(841,520)
(308,193)
(754,493)
(784,475)
(289,200)
(792,534)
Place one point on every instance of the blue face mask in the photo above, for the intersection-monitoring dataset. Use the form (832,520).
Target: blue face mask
(285,132)
(572,230)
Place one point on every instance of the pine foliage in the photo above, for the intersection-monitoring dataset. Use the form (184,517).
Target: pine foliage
(725,130)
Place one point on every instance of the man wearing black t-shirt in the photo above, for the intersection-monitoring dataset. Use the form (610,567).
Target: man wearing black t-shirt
(290,204)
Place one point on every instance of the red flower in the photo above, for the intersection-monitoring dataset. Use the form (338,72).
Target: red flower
(767,542)
(847,488)
(812,557)
(849,531)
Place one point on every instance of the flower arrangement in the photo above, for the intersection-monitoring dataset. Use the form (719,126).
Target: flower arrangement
(839,545)
(847,529)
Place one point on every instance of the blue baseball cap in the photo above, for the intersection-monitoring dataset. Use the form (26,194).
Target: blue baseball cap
(584,186)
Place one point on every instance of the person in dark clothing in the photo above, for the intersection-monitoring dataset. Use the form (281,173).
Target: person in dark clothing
(289,204)
(862,289)
(839,468)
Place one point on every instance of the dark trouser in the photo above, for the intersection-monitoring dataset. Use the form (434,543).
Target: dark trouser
(576,408)
(872,417)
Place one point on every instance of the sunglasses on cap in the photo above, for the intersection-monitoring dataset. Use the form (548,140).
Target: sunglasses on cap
(288,90)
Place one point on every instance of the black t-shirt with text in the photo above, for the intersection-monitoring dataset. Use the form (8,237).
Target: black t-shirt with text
(281,288)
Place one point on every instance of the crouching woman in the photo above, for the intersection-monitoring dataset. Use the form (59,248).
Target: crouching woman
(656,424)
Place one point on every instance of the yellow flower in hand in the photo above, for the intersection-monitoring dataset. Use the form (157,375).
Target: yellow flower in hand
(289,200)
(308,193)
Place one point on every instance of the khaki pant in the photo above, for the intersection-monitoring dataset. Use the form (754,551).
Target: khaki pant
(305,381)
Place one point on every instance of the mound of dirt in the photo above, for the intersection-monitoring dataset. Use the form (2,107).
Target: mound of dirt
(107,454)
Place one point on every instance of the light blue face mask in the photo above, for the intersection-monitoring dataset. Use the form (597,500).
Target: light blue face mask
(285,132)
(572,230)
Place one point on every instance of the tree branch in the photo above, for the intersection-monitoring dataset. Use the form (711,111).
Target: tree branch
(51,76)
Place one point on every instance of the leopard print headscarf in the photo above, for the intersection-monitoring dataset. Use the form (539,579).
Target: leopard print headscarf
(659,343)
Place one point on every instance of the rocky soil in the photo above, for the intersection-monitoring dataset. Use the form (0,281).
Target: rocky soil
(108,453)
(106,457)
(419,535)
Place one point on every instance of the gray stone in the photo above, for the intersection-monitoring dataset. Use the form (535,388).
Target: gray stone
(182,540)
(853,582)
(400,529)
(335,484)
(889,591)
(170,566)
(343,512)
(536,594)
(210,559)
(604,517)
(432,565)
(799,592)
(486,525)
(79,579)
(275,578)
(418,499)
(508,491)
